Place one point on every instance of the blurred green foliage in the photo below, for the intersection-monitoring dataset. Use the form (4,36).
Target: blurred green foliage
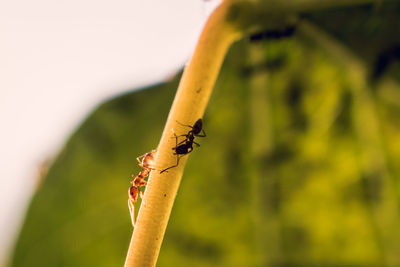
(294,171)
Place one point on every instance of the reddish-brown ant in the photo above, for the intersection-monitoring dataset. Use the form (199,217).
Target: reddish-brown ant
(147,163)
(186,146)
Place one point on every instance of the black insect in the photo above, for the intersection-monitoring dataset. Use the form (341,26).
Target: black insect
(186,146)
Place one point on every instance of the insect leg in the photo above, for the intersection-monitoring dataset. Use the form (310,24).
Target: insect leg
(186,138)
(177,163)
(201,135)
(196,143)
(185,124)
(177,156)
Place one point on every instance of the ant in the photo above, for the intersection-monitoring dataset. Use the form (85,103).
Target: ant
(147,163)
(186,146)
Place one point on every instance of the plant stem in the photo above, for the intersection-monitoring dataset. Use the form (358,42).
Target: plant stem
(189,105)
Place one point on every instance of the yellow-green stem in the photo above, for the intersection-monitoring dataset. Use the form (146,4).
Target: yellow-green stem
(189,105)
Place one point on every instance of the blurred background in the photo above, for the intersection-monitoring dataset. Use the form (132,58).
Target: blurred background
(300,166)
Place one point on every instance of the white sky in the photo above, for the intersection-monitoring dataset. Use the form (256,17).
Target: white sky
(59,59)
